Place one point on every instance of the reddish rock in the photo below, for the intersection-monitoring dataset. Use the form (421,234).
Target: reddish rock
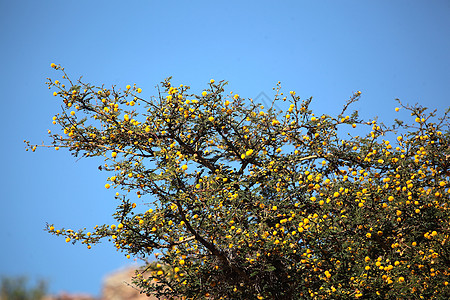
(117,286)
(66,296)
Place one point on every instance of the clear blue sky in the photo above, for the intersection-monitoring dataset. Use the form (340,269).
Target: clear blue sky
(326,49)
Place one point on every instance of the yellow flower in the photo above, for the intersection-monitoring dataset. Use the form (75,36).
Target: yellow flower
(236,96)
(211,81)
(128,87)
(204,93)
(107,186)
(184,167)
(211,119)
(114,154)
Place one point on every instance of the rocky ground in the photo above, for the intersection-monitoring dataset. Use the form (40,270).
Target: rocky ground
(115,287)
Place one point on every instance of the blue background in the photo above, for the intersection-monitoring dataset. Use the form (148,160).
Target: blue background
(326,49)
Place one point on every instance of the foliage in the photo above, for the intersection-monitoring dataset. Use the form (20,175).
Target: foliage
(246,202)
(18,289)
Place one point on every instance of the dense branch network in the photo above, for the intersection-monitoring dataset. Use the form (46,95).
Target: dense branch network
(248,202)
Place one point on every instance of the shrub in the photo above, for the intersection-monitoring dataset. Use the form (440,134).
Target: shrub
(243,201)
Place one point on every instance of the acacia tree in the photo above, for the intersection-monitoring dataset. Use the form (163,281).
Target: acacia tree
(239,201)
